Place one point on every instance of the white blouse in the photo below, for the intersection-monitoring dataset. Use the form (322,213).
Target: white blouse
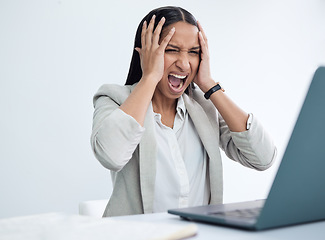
(181,167)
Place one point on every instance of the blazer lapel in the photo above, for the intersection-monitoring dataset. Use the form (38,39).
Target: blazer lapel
(210,140)
(147,161)
(201,123)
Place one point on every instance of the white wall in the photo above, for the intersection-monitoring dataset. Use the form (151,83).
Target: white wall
(55,54)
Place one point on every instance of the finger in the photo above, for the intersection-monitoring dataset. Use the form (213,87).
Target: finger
(203,44)
(203,33)
(149,31)
(137,49)
(139,52)
(166,40)
(201,29)
(143,34)
(158,30)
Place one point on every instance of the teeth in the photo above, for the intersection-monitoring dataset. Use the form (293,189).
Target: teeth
(178,76)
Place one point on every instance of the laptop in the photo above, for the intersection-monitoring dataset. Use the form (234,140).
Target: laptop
(297,194)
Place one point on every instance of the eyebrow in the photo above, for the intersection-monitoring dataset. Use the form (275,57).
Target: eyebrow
(193,48)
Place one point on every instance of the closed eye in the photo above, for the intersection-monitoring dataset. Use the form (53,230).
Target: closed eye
(194,52)
(171,50)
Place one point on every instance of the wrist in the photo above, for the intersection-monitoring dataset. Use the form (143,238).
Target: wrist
(212,90)
(148,82)
(207,86)
(150,79)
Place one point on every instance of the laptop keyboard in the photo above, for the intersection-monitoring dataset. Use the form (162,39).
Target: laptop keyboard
(243,213)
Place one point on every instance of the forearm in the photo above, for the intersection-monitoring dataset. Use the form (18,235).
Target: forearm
(235,117)
(136,105)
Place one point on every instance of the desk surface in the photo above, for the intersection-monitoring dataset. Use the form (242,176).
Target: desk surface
(207,231)
(60,226)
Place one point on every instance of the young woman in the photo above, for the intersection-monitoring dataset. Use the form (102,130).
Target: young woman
(160,133)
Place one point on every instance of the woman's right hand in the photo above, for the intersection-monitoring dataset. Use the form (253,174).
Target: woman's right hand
(152,53)
(152,65)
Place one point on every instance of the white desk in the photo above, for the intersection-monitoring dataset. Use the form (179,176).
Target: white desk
(310,231)
(57,226)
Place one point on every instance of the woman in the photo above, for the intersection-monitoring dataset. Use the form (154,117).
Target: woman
(159,135)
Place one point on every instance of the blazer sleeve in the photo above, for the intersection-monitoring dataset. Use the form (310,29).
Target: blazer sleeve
(253,148)
(115,134)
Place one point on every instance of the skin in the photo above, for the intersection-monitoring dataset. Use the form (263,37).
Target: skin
(177,51)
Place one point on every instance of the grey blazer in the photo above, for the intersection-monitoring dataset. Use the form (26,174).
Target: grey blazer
(134,180)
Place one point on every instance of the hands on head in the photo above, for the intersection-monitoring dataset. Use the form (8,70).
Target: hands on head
(152,53)
(153,49)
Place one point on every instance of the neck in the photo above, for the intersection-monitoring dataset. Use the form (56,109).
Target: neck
(166,108)
(163,105)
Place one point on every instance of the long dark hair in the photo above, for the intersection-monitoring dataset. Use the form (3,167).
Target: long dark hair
(172,15)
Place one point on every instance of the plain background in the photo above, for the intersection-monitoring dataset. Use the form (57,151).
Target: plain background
(54,55)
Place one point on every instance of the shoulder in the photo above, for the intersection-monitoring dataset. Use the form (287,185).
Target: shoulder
(117,93)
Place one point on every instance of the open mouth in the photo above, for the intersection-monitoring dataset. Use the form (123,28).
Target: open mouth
(176,82)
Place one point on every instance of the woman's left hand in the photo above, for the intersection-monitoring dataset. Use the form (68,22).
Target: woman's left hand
(203,78)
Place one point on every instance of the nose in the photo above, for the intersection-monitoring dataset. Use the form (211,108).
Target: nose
(183,62)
